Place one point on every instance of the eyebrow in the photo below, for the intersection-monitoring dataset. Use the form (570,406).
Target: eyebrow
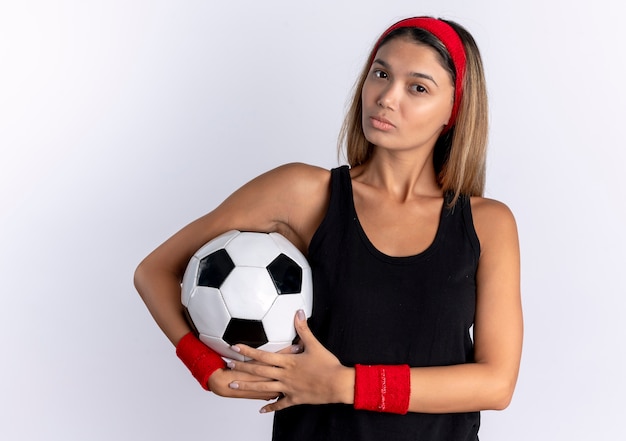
(412,74)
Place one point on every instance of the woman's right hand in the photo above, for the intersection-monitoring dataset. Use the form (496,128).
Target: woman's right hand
(221,378)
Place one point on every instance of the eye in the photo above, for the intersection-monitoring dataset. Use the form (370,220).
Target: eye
(380,74)
(418,88)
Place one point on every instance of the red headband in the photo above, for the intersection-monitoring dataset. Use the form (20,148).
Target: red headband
(450,39)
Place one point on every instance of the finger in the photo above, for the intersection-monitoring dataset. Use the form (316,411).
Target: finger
(262,388)
(269,358)
(281,403)
(291,349)
(265,396)
(304,332)
(233,392)
(245,376)
(256,369)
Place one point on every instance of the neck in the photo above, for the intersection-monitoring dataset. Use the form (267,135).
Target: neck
(403,175)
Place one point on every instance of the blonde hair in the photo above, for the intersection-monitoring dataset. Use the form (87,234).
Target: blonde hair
(460,151)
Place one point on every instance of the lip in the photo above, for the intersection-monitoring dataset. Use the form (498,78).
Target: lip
(380,123)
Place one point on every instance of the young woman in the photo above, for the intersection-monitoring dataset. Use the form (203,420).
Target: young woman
(417,321)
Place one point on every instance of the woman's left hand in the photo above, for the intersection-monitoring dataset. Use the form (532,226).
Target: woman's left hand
(314,376)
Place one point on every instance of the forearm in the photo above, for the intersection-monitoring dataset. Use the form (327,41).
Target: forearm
(447,389)
(460,388)
(160,292)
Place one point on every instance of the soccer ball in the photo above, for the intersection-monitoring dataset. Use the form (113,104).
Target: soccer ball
(245,287)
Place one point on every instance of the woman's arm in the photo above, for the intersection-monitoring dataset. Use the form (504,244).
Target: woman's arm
(316,376)
(289,200)
(489,382)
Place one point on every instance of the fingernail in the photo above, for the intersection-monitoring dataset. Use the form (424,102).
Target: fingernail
(233,385)
(296,349)
(301,315)
(263,410)
(230,365)
(235,348)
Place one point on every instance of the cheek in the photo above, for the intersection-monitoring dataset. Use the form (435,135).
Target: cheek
(449,107)
(432,113)
(366,94)
(368,101)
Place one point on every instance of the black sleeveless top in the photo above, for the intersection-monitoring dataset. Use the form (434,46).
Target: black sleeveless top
(371,308)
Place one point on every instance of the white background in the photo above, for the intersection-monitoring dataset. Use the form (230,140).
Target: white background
(121,121)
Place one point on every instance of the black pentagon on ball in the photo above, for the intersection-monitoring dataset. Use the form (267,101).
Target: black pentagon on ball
(248,332)
(286,275)
(214,268)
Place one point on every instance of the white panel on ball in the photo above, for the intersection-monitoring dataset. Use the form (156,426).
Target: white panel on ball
(278,322)
(248,292)
(275,346)
(252,249)
(208,311)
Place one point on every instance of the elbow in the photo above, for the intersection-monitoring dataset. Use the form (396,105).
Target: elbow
(502,402)
(502,395)
(138,277)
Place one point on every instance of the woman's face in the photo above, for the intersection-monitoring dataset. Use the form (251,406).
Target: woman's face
(407,96)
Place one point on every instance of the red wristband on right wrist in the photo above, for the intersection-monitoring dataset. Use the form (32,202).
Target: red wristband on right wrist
(201,360)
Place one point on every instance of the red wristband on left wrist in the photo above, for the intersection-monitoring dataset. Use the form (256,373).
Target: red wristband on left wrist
(382,388)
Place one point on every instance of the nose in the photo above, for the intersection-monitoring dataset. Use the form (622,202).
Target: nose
(388,98)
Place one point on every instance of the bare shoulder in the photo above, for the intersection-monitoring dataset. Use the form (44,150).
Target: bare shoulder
(494,221)
(490,208)
(291,199)
(294,183)
(303,177)
(308,189)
